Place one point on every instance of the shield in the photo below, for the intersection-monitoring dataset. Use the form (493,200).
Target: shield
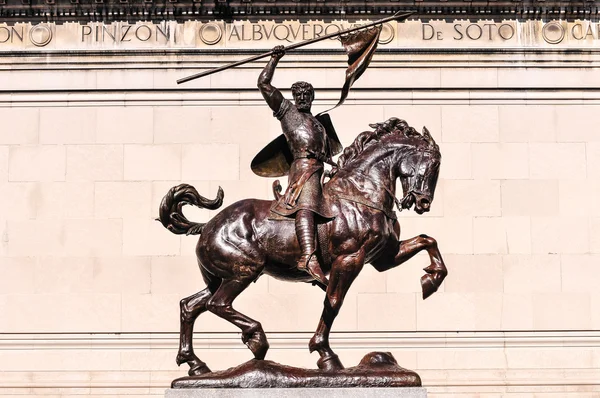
(274,160)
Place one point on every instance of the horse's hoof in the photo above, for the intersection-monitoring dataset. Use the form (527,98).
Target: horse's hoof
(428,285)
(199,369)
(181,359)
(258,344)
(330,363)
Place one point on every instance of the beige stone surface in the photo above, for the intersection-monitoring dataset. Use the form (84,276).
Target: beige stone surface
(83,170)
(94,162)
(527,123)
(68,125)
(37,163)
(475,123)
(152,162)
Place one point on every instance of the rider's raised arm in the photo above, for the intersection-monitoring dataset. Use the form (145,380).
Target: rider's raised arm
(271,94)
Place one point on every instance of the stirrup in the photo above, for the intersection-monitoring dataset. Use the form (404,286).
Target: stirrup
(315,271)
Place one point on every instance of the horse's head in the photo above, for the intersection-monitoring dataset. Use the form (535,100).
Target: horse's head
(418,170)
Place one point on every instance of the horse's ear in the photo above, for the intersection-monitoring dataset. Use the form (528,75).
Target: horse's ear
(429,138)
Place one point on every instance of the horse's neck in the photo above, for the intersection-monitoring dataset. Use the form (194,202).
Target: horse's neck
(371,178)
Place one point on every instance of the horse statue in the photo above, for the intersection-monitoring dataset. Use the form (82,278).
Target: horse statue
(245,241)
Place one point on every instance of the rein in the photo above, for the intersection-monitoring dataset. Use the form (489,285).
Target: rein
(388,212)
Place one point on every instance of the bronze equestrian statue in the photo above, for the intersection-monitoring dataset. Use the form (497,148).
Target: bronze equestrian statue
(247,240)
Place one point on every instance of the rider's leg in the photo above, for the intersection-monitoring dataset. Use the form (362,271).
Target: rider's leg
(305,231)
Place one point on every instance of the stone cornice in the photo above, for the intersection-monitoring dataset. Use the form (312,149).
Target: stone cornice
(60,11)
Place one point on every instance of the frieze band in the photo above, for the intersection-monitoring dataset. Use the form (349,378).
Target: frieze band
(246,35)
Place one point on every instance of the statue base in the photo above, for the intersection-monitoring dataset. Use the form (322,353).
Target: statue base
(375,370)
(395,392)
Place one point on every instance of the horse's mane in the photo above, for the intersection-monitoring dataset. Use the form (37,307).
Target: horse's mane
(367,138)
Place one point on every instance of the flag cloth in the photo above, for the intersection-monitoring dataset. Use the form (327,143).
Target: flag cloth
(360,47)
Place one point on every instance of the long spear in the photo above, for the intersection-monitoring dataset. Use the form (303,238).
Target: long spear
(397,16)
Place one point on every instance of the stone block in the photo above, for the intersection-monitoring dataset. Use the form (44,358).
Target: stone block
(34,237)
(595,235)
(460,311)
(456,161)
(3,163)
(417,116)
(517,311)
(64,275)
(454,234)
(472,198)
(130,78)
(469,77)
(349,121)
(473,123)
(530,123)
(193,125)
(116,274)
(19,200)
(369,281)
(278,312)
(578,198)
(123,200)
(549,161)
(501,235)
(231,124)
(478,273)
(407,276)
(95,163)
(406,392)
(152,313)
(20,126)
(523,358)
(395,311)
(530,198)
(147,237)
(528,274)
(67,125)
(152,162)
(500,161)
(561,311)
(37,163)
(489,235)
(211,162)
(97,312)
(179,274)
(576,123)
(18,275)
(593,160)
(93,238)
(579,273)
(560,235)
(160,189)
(60,200)
(124,125)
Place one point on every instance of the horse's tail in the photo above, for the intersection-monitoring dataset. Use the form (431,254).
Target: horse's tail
(171,216)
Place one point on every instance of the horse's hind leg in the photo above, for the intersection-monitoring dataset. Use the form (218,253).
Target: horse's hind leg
(190,307)
(221,305)
(343,272)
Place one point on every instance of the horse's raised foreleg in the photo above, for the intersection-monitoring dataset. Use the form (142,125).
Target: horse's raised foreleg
(190,308)
(398,252)
(343,272)
(220,304)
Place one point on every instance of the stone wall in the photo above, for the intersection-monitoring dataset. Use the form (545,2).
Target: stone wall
(90,282)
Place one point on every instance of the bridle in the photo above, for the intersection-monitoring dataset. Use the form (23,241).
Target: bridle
(414,189)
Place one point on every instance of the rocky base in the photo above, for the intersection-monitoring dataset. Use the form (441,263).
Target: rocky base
(377,369)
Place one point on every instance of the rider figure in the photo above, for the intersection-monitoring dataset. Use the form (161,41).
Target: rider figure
(308,143)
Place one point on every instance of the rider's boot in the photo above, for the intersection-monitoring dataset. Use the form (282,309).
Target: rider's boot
(305,230)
